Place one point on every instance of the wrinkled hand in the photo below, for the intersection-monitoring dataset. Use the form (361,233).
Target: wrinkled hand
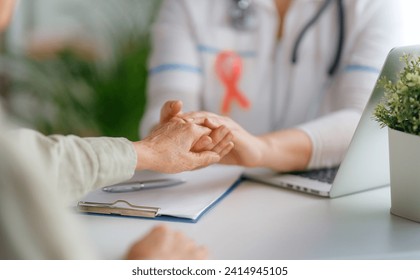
(168,148)
(248,149)
(169,110)
(164,244)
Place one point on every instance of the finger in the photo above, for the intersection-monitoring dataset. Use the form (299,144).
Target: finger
(211,123)
(219,134)
(222,143)
(205,158)
(200,117)
(191,134)
(170,109)
(200,120)
(189,120)
(196,114)
(199,131)
(226,150)
(202,144)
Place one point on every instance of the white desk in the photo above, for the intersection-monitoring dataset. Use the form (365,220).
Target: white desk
(262,222)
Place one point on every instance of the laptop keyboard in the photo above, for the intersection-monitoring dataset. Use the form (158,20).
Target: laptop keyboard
(325,175)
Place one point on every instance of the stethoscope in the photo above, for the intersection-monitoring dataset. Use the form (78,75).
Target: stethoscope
(243,17)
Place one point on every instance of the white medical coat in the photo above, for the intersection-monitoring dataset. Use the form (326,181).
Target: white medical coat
(188,35)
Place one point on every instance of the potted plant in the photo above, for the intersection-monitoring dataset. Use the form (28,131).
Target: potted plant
(399,110)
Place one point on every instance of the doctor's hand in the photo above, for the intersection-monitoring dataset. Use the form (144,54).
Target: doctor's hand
(164,244)
(283,150)
(248,149)
(169,148)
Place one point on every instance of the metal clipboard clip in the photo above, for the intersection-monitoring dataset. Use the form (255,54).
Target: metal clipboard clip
(118,207)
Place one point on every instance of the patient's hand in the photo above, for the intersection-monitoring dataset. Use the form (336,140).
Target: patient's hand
(169,110)
(184,133)
(164,244)
(169,148)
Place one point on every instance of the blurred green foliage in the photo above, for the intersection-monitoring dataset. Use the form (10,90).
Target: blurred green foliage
(84,96)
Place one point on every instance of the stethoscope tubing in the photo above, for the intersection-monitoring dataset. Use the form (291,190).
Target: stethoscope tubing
(242,23)
(340,42)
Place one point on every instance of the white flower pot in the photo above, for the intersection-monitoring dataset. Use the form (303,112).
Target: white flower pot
(404,156)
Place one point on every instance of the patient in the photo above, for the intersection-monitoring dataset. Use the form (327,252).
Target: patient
(40,175)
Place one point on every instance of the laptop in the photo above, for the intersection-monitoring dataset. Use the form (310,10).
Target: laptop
(366,163)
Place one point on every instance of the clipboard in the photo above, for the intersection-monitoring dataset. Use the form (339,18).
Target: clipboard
(187,202)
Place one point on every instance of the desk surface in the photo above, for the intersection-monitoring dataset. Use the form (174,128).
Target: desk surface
(257,221)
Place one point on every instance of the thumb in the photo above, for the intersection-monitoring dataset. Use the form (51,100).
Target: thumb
(169,110)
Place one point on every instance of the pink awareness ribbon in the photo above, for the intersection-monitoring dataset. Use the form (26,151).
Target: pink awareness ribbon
(229,69)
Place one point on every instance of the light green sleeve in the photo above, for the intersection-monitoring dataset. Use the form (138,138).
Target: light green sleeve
(77,165)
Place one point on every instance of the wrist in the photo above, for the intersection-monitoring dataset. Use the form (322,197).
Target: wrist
(145,155)
(286,150)
(264,145)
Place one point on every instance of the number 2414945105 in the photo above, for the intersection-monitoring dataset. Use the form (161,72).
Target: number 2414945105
(249,270)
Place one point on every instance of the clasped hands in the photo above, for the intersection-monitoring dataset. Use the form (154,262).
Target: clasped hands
(182,142)
(201,138)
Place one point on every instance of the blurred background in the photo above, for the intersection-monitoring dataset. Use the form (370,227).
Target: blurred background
(80,67)
(77,67)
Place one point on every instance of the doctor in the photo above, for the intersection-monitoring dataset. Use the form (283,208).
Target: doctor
(290,77)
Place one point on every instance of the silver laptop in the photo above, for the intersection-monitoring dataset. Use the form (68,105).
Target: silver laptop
(366,163)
